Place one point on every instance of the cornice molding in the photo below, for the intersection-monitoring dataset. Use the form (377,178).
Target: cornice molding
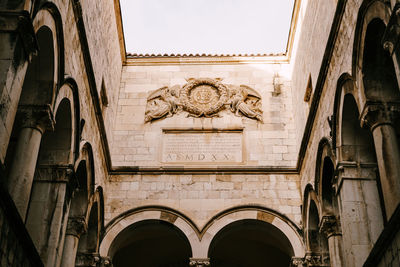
(205,60)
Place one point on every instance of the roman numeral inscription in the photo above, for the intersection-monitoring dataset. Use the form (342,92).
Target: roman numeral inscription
(202,147)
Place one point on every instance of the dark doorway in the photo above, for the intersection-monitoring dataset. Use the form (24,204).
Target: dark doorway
(151,243)
(250,243)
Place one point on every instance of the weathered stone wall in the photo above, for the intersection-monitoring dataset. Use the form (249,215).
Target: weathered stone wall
(104,47)
(392,255)
(361,216)
(200,197)
(271,143)
(315,21)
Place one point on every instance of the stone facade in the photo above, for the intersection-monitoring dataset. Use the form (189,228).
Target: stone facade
(180,158)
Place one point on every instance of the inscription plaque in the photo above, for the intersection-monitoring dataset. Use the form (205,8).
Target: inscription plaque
(202,147)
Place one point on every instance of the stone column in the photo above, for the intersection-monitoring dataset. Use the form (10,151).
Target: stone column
(34,121)
(17,46)
(330,226)
(379,117)
(75,228)
(45,225)
(391,36)
(199,262)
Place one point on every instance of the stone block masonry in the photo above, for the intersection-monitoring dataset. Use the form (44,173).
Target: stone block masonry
(201,197)
(269,142)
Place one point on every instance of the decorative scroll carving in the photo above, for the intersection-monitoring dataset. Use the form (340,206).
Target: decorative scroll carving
(54,173)
(38,117)
(199,262)
(87,259)
(203,98)
(311,259)
(76,226)
(329,225)
(297,262)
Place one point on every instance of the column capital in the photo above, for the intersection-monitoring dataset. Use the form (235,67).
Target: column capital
(297,262)
(391,36)
(76,226)
(199,262)
(36,116)
(54,173)
(21,23)
(376,114)
(311,259)
(87,259)
(329,226)
(317,259)
(105,261)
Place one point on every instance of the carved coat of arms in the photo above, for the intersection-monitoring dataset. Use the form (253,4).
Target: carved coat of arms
(203,98)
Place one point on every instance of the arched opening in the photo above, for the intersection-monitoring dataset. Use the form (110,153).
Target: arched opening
(152,243)
(37,90)
(56,145)
(250,243)
(79,203)
(89,241)
(39,79)
(357,143)
(329,205)
(379,76)
(317,242)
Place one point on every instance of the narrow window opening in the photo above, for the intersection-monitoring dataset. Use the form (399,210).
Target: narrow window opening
(309,90)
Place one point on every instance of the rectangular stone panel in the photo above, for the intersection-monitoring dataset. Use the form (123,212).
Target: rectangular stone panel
(202,147)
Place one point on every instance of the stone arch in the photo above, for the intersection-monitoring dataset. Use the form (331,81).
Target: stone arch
(50,190)
(69,91)
(82,211)
(324,177)
(58,33)
(89,242)
(357,172)
(86,157)
(257,213)
(345,85)
(355,143)
(145,214)
(316,242)
(46,70)
(44,63)
(310,199)
(373,16)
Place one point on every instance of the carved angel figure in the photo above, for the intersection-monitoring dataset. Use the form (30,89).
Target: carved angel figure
(246,101)
(163,102)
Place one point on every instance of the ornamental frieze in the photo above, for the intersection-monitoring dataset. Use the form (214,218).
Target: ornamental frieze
(203,98)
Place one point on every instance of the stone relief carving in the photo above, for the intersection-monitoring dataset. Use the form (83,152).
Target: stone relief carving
(203,98)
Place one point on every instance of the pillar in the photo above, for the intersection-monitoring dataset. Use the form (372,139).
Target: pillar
(360,210)
(48,209)
(75,228)
(34,121)
(379,117)
(17,46)
(330,226)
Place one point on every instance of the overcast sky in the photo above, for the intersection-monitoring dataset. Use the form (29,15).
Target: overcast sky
(206,26)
